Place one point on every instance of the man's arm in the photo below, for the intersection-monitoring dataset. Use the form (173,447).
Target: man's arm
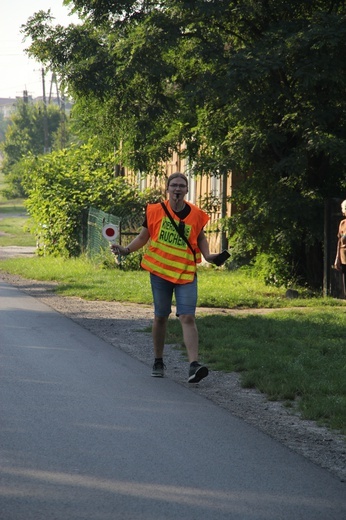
(204,247)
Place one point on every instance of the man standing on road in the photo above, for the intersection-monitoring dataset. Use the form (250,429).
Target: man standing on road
(172,263)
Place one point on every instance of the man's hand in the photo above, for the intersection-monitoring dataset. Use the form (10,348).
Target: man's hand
(210,257)
(119,250)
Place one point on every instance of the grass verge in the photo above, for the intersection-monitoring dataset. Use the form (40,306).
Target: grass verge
(13,224)
(295,356)
(217,287)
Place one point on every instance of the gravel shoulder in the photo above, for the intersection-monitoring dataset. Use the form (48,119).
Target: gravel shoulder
(122,326)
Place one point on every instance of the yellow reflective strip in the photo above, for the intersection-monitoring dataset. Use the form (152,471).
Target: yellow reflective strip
(186,253)
(173,263)
(167,272)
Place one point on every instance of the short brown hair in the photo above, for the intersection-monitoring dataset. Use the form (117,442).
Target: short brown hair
(175,176)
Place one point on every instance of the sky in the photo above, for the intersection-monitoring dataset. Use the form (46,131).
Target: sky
(18,72)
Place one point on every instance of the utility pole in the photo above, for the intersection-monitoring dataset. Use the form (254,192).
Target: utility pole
(45,116)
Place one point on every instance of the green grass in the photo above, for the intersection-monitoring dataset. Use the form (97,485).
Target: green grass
(217,288)
(12,206)
(13,228)
(296,354)
(13,231)
(78,277)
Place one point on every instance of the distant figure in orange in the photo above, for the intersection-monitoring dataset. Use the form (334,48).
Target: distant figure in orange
(340,259)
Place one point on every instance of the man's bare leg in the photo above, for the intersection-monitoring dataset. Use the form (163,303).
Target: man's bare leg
(159,334)
(190,335)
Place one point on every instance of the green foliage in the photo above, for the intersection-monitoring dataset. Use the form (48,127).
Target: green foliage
(25,135)
(293,356)
(3,126)
(14,188)
(131,262)
(295,152)
(253,87)
(62,185)
(273,272)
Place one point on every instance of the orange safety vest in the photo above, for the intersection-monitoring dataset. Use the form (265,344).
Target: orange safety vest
(169,256)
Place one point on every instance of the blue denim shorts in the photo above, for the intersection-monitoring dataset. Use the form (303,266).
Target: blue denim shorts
(185,296)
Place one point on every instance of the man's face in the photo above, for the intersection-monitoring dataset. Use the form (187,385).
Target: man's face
(177,188)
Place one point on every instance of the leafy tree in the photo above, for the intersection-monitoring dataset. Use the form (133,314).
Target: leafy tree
(295,132)
(253,87)
(25,134)
(3,126)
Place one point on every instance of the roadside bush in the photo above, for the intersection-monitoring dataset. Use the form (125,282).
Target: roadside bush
(62,185)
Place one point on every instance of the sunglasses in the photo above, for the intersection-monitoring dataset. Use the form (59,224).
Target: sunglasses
(174,185)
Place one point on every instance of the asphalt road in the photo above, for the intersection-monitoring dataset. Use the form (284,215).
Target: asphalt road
(87,434)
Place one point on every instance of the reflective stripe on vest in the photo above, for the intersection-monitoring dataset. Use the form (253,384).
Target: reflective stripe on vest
(165,272)
(178,262)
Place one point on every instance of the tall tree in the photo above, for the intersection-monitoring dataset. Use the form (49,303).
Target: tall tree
(26,134)
(256,87)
